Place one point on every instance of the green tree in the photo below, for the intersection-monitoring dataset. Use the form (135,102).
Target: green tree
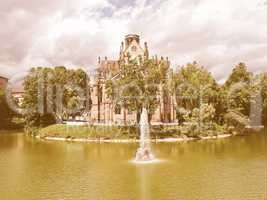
(264,98)
(137,85)
(193,86)
(239,74)
(201,119)
(5,113)
(49,90)
(9,119)
(238,88)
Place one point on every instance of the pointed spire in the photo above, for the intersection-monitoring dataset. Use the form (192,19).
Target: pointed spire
(121,50)
(146,53)
(145,45)
(168,61)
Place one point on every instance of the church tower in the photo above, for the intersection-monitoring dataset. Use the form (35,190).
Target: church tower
(104,109)
(131,48)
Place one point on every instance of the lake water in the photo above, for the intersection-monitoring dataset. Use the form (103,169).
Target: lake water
(231,169)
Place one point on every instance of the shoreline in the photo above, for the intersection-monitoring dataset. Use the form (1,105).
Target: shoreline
(165,140)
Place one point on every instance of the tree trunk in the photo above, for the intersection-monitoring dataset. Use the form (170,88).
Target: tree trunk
(124,116)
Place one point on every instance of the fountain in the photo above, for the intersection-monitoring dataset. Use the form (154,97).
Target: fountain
(144,153)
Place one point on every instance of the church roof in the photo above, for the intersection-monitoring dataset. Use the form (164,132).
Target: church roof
(109,65)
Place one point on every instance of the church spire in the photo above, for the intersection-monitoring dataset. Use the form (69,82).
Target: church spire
(146,53)
(121,50)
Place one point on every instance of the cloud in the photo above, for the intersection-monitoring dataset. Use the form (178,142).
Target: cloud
(218,34)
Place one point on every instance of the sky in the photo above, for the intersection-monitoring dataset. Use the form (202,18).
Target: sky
(218,34)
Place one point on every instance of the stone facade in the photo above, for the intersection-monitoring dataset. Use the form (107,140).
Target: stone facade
(103,110)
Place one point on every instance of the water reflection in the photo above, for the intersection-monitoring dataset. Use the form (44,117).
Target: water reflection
(233,168)
(144,174)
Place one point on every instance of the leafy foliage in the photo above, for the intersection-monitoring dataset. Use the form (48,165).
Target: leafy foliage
(51,94)
(200,100)
(8,118)
(239,88)
(138,85)
(263,84)
(193,86)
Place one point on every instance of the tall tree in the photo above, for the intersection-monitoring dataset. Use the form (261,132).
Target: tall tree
(239,74)
(264,98)
(49,90)
(6,113)
(194,86)
(137,85)
(238,89)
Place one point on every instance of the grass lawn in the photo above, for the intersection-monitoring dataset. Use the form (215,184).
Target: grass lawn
(120,132)
(107,132)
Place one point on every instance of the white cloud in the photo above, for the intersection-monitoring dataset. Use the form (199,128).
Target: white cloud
(218,34)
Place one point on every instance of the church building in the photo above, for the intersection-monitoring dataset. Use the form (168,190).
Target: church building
(103,110)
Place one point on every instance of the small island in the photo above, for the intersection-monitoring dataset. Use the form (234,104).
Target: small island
(183,103)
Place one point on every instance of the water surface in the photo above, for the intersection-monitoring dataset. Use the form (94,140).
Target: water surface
(232,168)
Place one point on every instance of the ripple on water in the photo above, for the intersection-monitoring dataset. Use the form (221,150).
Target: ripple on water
(154,161)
